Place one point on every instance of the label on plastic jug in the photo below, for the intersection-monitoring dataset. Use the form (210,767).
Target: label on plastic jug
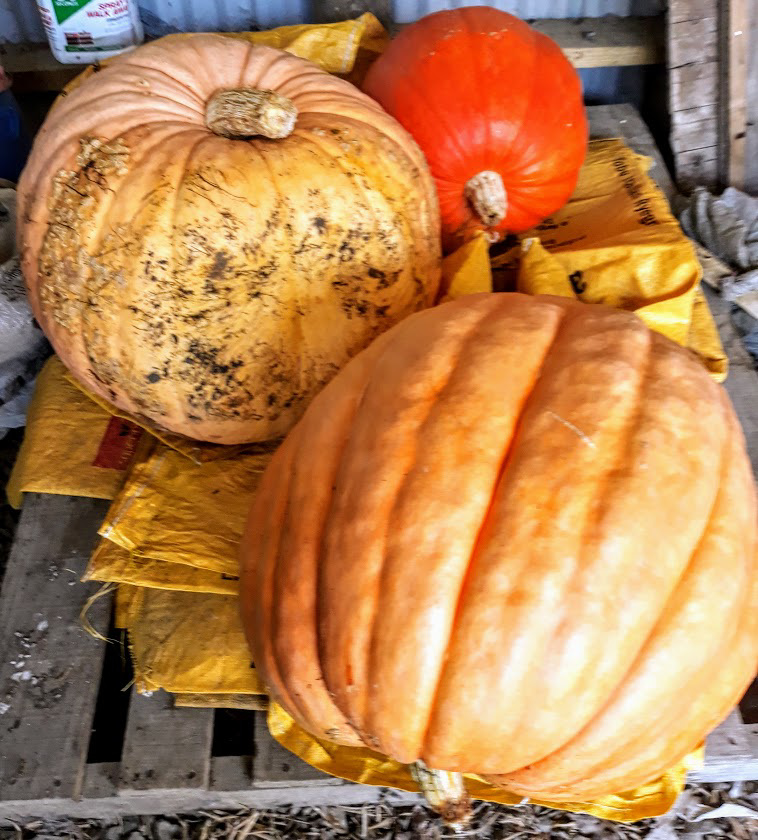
(87,30)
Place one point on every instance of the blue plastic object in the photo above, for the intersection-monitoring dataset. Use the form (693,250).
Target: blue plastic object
(14,141)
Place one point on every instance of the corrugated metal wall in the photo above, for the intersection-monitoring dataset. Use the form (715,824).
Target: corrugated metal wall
(410,10)
(19,20)
(163,16)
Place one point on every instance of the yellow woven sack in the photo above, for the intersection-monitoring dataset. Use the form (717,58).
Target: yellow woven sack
(188,642)
(110,563)
(617,242)
(174,511)
(71,446)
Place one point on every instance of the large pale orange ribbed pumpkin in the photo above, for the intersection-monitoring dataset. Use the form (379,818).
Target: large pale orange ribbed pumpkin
(210,229)
(514,537)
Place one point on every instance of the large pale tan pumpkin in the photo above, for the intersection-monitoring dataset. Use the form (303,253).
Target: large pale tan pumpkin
(210,229)
(515,537)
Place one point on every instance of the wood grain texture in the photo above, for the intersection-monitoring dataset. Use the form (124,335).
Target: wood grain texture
(731,753)
(689,10)
(273,765)
(735,35)
(165,747)
(232,772)
(49,666)
(751,140)
(691,136)
(625,121)
(692,41)
(608,41)
(694,90)
(183,801)
(694,84)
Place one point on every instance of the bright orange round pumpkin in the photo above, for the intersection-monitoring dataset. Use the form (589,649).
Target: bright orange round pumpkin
(211,229)
(496,108)
(514,537)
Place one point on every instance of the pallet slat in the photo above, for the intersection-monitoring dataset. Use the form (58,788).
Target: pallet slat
(164,746)
(49,666)
(273,765)
(731,753)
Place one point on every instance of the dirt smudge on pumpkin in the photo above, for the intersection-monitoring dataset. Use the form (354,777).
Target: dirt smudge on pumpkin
(206,286)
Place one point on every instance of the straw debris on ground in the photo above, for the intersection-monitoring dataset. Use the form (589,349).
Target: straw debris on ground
(386,821)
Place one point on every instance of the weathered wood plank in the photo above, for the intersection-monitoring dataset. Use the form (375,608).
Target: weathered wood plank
(694,115)
(608,41)
(695,135)
(182,801)
(624,121)
(49,666)
(273,765)
(698,167)
(101,780)
(731,753)
(751,122)
(165,747)
(692,41)
(684,10)
(733,46)
(694,84)
(232,772)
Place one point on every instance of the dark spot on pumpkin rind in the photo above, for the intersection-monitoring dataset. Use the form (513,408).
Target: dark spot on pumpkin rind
(220,265)
(153,377)
(320,224)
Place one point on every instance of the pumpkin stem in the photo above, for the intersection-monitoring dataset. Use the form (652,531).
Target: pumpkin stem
(245,112)
(445,794)
(485,192)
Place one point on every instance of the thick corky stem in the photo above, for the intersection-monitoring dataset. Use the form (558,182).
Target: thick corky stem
(485,192)
(445,793)
(247,112)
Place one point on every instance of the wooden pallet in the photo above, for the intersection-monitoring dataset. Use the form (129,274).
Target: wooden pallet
(73,743)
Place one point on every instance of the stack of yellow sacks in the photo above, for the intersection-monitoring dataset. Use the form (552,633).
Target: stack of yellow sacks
(170,539)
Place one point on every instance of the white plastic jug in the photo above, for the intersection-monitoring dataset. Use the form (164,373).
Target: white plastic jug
(85,31)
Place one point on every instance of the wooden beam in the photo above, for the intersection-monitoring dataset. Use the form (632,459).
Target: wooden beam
(593,42)
(608,41)
(735,32)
